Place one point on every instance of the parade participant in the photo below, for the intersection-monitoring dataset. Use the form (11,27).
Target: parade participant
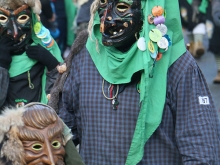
(133,92)
(29,55)
(193,18)
(34,134)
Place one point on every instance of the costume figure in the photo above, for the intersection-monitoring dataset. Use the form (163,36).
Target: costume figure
(32,135)
(193,18)
(29,55)
(133,93)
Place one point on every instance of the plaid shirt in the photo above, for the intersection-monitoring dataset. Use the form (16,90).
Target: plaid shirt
(189,133)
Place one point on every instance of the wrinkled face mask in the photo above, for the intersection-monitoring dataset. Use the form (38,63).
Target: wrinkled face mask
(16,24)
(43,146)
(120,20)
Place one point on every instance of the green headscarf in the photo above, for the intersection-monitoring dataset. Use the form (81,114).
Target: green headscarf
(22,63)
(117,68)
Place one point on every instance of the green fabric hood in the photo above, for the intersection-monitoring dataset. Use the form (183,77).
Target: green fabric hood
(22,63)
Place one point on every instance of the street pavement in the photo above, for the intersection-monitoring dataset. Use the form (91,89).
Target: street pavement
(209,68)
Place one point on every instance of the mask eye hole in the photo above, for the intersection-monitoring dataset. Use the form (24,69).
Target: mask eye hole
(56,144)
(3,18)
(122,7)
(23,19)
(37,147)
(103,3)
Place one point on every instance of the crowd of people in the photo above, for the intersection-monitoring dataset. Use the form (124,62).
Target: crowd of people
(200,20)
(113,77)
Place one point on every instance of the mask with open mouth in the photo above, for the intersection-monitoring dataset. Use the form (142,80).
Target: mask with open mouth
(16,24)
(119,21)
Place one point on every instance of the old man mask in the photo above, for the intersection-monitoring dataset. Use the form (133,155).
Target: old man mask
(32,135)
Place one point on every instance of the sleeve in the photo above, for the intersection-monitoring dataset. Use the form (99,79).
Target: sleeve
(72,156)
(51,78)
(4,83)
(197,127)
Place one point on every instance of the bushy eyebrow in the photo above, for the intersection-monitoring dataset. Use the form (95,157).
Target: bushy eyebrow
(29,135)
(18,10)
(56,130)
(7,12)
(15,12)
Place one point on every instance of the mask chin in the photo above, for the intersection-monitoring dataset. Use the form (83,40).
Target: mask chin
(22,42)
(126,40)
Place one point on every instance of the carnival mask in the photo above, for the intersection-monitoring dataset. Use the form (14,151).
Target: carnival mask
(120,20)
(41,137)
(16,24)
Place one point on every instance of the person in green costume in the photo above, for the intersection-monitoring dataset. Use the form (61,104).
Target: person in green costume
(133,93)
(29,57)
(193,17)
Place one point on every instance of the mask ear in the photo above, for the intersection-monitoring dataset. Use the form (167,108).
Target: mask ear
(12,148)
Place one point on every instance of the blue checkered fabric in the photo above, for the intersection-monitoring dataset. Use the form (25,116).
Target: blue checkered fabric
(189,133)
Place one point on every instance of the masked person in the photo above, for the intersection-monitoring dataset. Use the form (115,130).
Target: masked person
(32,135)
(133,93)
(29,55)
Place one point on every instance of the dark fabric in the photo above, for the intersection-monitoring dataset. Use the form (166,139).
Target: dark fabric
(19,86)
(42,55)
(46,8)
(51,78)
(6,46)
(4,83)
(214,41)
(84,13)
(46,13)
(62,23)
(187,21)
(72,156)
(189,133)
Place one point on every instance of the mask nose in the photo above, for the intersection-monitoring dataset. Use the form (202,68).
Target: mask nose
(107,17)
(12,29)
(48,158)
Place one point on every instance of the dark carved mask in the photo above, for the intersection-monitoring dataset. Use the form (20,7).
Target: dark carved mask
(16,24)
(119,21)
